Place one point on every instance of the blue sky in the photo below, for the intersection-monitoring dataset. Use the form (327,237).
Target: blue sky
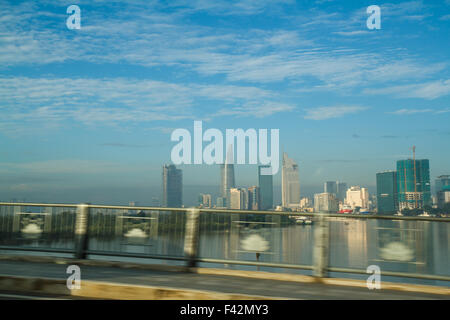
(94,108)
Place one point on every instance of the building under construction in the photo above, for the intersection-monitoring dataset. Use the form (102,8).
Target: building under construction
(413,183)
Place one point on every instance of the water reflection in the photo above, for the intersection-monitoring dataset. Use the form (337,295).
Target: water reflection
(403,246)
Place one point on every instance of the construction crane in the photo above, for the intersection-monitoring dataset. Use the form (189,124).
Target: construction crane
(415,179)
(405,192)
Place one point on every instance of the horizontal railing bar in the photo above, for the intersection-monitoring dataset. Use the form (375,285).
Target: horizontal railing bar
(134,255)
(55,250)
(253,222)
(405,218)
(137,208)
(402,229)
(140,218)
(35,213)
(392,274)
(251,263)
(232,211)
(26,204)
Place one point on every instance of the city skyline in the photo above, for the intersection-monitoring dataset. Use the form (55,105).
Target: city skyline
(407,188)
(158,194)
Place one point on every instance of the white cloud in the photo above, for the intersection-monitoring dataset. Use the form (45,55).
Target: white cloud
(323,113)
(232,7)
(402,9)
(406,111)
(52,102)
(427,90)
(352,33)
(255,110)
(252,55)
(411,111)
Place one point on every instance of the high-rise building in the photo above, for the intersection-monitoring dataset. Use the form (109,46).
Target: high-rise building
(326,202)
(254,198)
(204,200)
(265,183)
(387,199)
(441,182)
(330,187)
(238,199)
(336,187)
(290,183)
(172,186)
(357,197)
(221,202)
(341,191)
(443,196)
(227,175)
(413,183)
(246,203)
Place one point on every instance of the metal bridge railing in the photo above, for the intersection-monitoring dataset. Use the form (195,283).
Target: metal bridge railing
(262,239)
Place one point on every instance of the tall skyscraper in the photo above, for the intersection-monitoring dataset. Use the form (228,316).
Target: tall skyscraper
(387,198)
(172,186)
(336,187)
(265,183)
(227,175)
(254,198)
(357,197)
(341,191)
(326,202)
(330,187)
(290,183)
(413,183)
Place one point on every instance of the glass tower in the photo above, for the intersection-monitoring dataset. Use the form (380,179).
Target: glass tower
(265,183)
(341,191)
(330,187)
(387,198)
(172,186)
(227,176)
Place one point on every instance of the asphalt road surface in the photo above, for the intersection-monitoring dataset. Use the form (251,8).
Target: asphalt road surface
(224,284)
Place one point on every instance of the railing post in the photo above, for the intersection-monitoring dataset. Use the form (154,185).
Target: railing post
(81,231)
(321,246)
(191,239)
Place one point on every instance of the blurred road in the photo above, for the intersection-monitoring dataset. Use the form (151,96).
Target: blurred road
(217,283)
